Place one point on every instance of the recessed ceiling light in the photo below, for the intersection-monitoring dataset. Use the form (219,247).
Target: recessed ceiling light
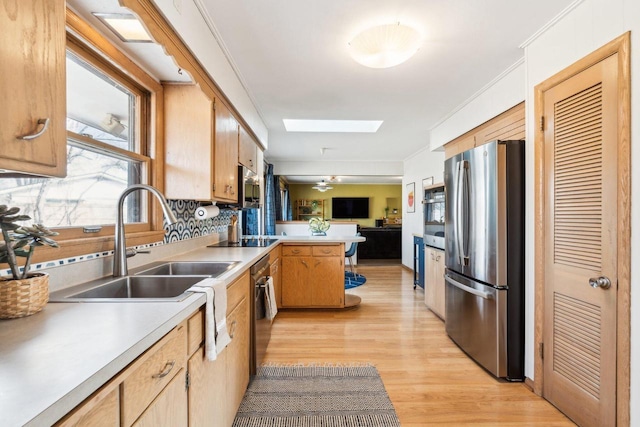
(385,46)
(361,126)
(126,26)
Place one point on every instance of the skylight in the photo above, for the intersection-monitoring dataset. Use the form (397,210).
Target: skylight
(359,126)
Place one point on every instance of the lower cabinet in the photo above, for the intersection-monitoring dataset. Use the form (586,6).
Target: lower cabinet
(434,281)
(169,408)
(276,273)
(313,276)
(217,387)
(172,384)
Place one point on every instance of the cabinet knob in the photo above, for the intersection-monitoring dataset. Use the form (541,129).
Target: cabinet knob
(232,328)
(45,126)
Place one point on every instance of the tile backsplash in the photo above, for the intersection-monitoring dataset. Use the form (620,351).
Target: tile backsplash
(187,227)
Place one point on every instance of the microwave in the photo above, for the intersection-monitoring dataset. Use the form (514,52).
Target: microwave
(433,216)
(249,190)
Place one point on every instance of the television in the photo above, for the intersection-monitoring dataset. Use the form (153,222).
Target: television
(350,207)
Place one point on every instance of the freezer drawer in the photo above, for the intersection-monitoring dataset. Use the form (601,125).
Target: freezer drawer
(476,321)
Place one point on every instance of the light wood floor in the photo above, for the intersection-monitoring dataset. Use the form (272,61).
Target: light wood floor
(428,378)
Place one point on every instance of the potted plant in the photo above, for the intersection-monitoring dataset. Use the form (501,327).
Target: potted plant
(22,293)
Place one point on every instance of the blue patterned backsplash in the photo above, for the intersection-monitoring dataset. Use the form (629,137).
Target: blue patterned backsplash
(186,228)
(189,227)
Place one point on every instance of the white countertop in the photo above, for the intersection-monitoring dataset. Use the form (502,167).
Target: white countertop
(52,361)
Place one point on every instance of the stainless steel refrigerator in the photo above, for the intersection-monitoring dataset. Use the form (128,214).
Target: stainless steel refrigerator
(484,255)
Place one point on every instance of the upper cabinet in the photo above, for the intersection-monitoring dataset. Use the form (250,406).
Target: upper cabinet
(201,140)
(32,87)
(247,150)
(226,154)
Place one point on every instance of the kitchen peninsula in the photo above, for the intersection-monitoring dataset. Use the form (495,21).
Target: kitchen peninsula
(68,354)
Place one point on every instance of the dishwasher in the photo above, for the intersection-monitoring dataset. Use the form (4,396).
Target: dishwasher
(260,325)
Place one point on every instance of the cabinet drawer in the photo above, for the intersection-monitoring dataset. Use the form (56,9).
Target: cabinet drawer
(296,250)
(152,372)
(100,410)
(334,250)
(195,327)
(236,291)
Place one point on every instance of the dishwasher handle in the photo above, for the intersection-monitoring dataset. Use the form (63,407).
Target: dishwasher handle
(468,289)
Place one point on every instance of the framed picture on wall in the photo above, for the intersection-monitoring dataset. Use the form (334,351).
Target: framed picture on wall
(411,197)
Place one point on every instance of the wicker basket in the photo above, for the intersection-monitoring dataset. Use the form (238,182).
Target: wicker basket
(23,297)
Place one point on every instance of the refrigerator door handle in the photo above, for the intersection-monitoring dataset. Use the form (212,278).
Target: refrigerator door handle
(481,294)
(462,211)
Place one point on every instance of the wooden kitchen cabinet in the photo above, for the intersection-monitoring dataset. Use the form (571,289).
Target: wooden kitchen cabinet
(434,281)
(169,408)
(313,276)
(33,88)
(100,410)
(201,146)
(226,154)
(275,268)
(217,387)
(247,150)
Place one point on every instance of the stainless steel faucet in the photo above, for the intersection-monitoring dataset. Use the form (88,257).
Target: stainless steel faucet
(120,255)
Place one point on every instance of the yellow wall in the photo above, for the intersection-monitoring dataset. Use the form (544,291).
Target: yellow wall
(377,194)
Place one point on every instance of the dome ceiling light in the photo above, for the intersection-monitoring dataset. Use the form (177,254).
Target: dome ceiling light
(385,46)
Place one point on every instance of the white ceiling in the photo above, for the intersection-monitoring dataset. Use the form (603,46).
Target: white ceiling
(292,58)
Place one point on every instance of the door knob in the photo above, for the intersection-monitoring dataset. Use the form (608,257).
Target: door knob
(600,282)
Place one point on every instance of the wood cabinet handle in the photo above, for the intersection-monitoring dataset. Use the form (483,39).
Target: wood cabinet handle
(232,328)
(45,126)
(432,257)
(438,258)
(304,263)
(295,251)
(165,371)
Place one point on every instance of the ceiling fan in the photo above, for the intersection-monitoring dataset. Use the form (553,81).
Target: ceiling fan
(322,186)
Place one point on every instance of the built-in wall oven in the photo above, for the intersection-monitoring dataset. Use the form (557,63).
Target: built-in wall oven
(260,325)
(433,216)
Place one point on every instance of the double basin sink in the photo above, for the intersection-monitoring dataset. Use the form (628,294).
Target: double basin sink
(164,282)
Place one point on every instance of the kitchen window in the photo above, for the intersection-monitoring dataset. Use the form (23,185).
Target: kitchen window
(108,122)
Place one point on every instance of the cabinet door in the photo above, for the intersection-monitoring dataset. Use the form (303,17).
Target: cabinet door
(247,150)
(430,274)
(438,279)
(327,282)
(226,154)
(237,358)
(169,408)
(189,156)
(296,286)
(32,87)
(208,391)
(276,274)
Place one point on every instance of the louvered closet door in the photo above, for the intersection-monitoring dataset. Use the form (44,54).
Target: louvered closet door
(580,231)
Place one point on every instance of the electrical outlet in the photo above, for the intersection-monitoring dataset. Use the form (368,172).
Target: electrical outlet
(178,5)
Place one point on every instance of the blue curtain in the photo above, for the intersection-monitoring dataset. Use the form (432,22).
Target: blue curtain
(270,202)
(287,212)
(278,194)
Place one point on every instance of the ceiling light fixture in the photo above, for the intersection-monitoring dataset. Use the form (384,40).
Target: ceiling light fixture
(126,26)
(356,126)
(385,46)
(322,186)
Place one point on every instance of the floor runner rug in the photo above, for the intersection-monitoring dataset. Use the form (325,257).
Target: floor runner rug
(353,280)
(314,396)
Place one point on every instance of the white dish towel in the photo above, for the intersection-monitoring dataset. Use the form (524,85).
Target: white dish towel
(215,320)
(270,295)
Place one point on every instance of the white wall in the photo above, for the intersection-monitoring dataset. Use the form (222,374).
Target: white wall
(421,165)
(587,27)
(505,91)
(195,29)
